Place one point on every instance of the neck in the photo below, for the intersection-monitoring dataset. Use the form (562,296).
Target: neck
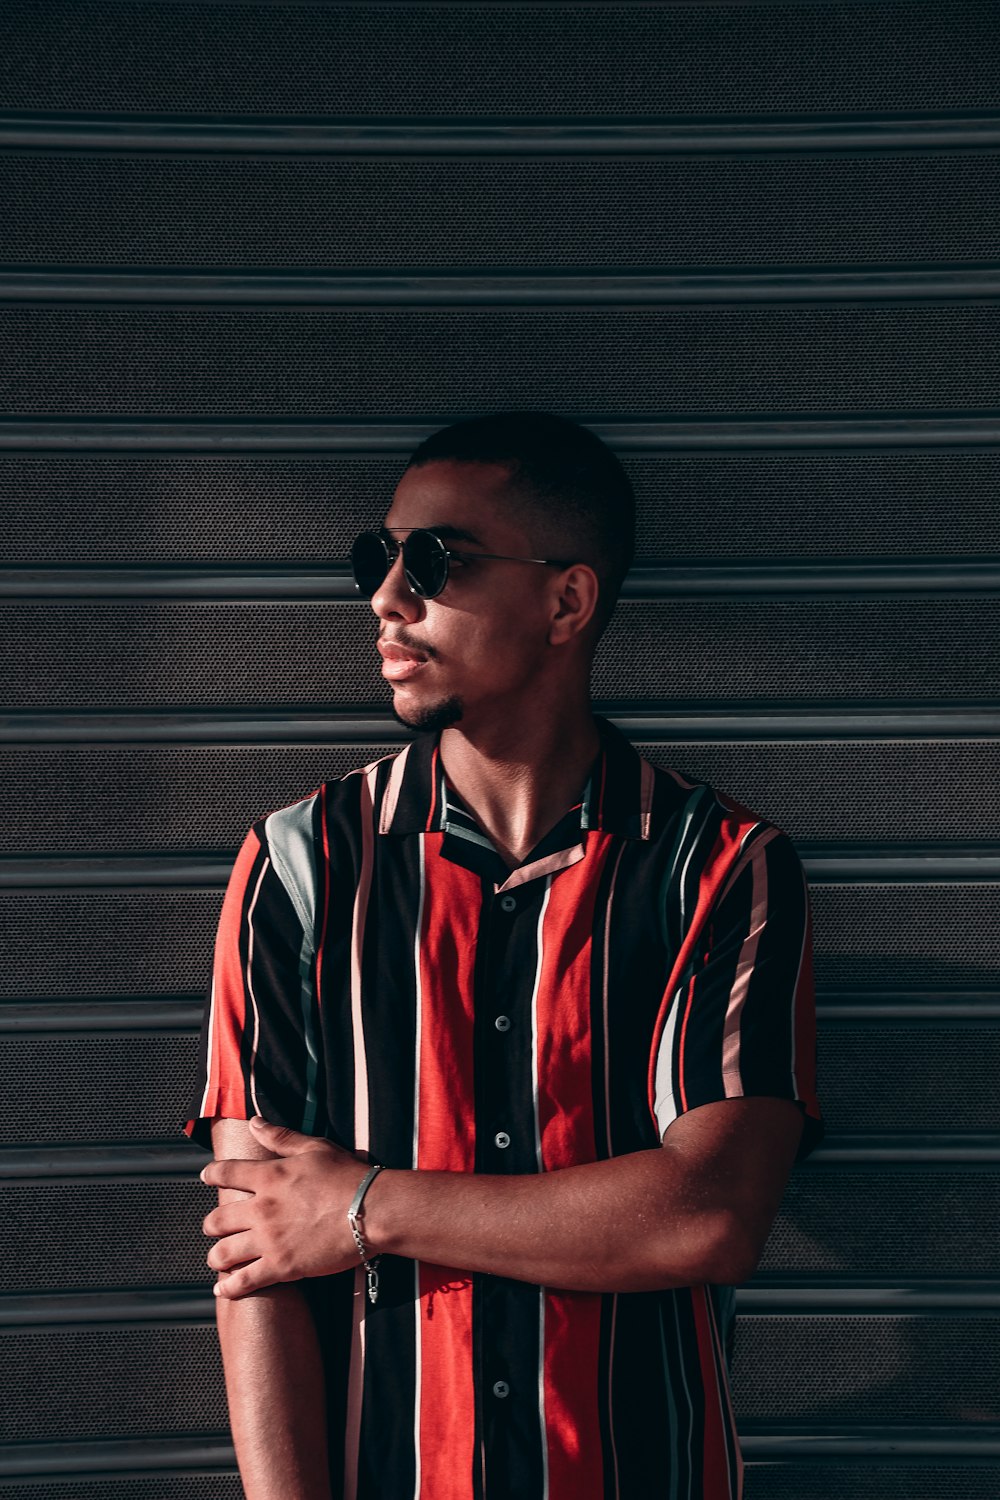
(519,779)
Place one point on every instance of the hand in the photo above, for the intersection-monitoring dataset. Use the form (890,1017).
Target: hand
(295,1224)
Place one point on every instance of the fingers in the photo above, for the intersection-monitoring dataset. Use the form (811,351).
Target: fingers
(232,1174)
(249,1278)
(227,1218)
(234,1250)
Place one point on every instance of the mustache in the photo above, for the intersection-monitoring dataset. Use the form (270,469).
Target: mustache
(403,638)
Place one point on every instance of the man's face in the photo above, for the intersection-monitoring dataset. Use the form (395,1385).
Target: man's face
(475,651)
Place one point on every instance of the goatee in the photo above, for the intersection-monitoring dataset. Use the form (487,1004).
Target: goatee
(433,716)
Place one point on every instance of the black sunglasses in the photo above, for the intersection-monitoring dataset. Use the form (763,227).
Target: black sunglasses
(425,561)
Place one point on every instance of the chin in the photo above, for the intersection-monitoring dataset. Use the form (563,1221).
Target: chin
(430,716)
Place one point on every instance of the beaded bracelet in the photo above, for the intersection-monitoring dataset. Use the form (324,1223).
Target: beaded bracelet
(371,1266)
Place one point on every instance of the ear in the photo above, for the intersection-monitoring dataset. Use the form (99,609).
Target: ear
(576,599)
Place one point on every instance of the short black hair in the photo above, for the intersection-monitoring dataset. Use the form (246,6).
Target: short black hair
(577,498)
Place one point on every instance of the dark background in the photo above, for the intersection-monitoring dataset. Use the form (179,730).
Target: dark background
(251,253)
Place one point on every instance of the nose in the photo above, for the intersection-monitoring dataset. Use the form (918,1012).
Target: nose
(393,599)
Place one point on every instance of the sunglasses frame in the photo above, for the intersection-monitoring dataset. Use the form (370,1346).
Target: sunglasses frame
(393,548)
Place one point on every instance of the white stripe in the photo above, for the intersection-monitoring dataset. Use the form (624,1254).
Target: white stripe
(534,1022)
(541,1393)
(732,1078)
(664,1098)
(211,1043)
(417,1006)
(391,798)
(253,997)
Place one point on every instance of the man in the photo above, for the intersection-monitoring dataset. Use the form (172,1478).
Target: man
(561,997)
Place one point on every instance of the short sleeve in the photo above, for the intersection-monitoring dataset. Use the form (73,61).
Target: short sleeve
(257,1051)
(741,1021)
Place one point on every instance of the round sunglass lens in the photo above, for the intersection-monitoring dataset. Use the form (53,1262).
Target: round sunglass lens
(425,563)
(369,562)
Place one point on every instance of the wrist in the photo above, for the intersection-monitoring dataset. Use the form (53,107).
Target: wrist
(379,1216)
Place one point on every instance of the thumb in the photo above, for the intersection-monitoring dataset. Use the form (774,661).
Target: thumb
(281,1139)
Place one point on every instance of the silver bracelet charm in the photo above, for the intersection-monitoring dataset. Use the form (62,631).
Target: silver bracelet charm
(370,1265)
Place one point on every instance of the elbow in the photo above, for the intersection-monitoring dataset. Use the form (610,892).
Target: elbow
(732,1250)
(718,1248)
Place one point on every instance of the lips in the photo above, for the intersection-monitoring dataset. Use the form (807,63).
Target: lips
(398,661)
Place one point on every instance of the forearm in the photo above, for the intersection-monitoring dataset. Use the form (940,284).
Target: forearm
(275,1388)
(634,1223)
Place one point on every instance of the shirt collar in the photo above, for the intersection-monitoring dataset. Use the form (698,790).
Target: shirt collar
(618,797)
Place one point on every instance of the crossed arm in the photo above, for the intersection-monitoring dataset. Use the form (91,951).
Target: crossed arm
(697,1210)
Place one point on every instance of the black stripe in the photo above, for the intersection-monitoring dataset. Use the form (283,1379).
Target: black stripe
(639,967)
(638,1399)
(281,1063)
(506,1312)
(343,836)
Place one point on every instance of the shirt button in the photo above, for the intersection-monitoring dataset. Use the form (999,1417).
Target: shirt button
(501,1389)
(507,903)
(501,1139)
(502,1023)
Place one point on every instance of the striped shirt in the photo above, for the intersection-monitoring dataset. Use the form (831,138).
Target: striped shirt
(383,978)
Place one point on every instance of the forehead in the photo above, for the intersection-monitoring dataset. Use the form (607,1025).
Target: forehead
(470,498)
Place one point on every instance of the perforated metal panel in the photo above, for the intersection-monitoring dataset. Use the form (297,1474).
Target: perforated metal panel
(166,1381)
(118,1087)
(890,1223)
(498,60)
(105,1235)
(356,363)
(113,1487)
(250,213)
(867,1370)
(863,1481)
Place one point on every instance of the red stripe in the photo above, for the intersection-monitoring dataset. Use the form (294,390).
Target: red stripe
(446,1142)
(571,1375)
(715,1483)
(713,875)
(226,1082)
(571,1368)
(565,1087)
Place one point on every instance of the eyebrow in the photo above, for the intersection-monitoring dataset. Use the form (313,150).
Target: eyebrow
(446,533)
